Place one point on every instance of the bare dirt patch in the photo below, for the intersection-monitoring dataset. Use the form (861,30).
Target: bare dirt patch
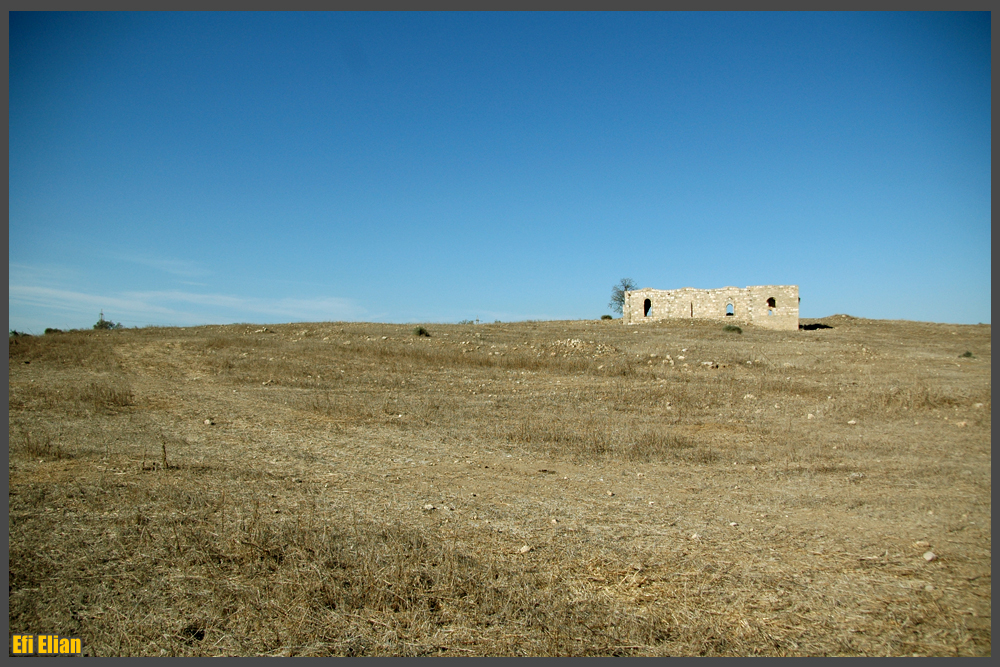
(537,488)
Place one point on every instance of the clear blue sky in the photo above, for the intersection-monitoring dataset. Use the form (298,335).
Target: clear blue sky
(179,169)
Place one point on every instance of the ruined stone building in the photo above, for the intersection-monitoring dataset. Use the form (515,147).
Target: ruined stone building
(770,306)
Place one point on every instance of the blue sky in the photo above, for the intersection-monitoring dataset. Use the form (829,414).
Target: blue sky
(196,168)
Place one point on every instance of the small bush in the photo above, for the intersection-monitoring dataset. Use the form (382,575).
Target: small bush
(106,325)
(732,328)
(52,331)
(967,355)
(606,317)
(37,447)
(420,331)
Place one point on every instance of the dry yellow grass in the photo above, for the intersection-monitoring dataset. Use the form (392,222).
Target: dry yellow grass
(537,488)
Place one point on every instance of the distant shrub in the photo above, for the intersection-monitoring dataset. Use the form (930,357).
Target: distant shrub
(967,355)
(51,331)
(14,333)
(606,317)
(106,325)
(466,322)
(420,331)
(732,328)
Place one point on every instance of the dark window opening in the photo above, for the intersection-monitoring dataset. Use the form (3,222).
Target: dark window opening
(770,302)
(692,309)
(729,310)
(647,306)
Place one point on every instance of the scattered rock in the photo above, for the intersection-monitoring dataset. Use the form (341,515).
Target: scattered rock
(732,523)
(853,422)
(809,416)
(209,422)
(429,508)
(525,549)
(695,536)
(930,556)
(555,521)
(611,493)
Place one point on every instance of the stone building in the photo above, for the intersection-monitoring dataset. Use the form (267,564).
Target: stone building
(769,306)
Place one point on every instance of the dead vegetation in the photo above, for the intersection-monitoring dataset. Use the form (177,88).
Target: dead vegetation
(538,488)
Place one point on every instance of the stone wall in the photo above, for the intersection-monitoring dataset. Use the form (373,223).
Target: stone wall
(769,306)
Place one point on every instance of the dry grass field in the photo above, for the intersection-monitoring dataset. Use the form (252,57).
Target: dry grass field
(535,488)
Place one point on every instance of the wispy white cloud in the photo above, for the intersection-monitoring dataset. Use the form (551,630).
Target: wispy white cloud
(41,274)
(181,268)
(33,303)
(292,308)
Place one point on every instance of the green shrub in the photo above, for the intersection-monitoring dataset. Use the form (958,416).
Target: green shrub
(106,325)
(967,355)
(732,328)
(420,331)
(606,317)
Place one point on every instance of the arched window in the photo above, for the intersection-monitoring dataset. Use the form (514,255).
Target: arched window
(647,306)
(770,305)
(729,310)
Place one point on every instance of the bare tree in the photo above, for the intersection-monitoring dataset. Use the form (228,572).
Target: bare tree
(617,302)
